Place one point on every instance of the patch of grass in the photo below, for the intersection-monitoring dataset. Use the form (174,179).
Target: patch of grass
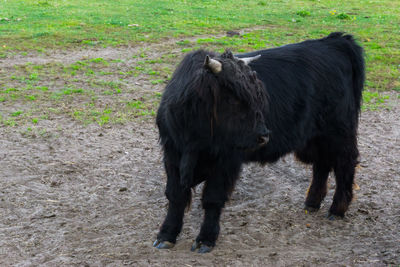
(103,23)
(158,81)
(9,122)
(153,72)
(120,113)
(104,116)
(396,84)
(342,16)
(16,113)
(185,50)
(66,92)
(135,104)
(303,13)
(70,91)
(141,108)
(42,88)
(31,97)
(154,61)
(33,77)
(112,87)
(11,89)
(105,73)
(78,65)
(89,72)
(183,42)
(99,60)
(373,100)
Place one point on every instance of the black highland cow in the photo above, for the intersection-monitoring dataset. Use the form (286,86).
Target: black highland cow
(220,111)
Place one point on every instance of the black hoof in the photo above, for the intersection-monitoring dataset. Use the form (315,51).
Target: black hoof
(163,244)
(201,247)
(310,208)
(333,217)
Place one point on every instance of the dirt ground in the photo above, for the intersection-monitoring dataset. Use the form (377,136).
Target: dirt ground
(93,196)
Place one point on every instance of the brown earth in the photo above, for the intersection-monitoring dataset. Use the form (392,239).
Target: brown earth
(92,195)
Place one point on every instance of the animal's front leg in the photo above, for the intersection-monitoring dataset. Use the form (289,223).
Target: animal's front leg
(179,198)
(216,193)
(209,231)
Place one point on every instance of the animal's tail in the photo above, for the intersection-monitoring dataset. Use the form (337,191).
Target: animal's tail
(356,56)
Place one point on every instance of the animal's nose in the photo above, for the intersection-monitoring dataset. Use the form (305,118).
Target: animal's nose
(263,139)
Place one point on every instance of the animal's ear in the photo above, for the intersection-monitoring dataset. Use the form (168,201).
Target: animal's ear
(227,54)
(214,65)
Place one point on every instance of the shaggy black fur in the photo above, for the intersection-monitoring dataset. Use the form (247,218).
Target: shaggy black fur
(304,97)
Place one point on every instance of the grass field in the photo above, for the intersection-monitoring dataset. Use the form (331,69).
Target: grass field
(106,90)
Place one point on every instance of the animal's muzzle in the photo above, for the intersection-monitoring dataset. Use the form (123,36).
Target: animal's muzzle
(263,140)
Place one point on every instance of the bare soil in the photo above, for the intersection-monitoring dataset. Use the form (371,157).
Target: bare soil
(93,195)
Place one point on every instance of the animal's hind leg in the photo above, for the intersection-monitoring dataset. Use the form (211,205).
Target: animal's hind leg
(344,168)
(178,198)
(315,153)
(317,190)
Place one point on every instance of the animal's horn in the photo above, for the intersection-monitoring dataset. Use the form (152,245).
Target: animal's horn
(214,65)
(247,60)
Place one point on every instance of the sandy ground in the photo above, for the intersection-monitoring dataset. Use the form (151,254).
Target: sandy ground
(93,196)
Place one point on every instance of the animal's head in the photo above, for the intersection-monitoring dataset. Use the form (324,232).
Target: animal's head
(239,101)
(222,98)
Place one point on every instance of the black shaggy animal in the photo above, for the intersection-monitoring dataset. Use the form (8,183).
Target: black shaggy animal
(220,111)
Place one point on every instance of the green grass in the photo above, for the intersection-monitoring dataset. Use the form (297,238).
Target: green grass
(373,100)
(88,99)
(38,25)
(104,91)
(41,24)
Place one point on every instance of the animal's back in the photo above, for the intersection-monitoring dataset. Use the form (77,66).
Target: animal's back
(314,89)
